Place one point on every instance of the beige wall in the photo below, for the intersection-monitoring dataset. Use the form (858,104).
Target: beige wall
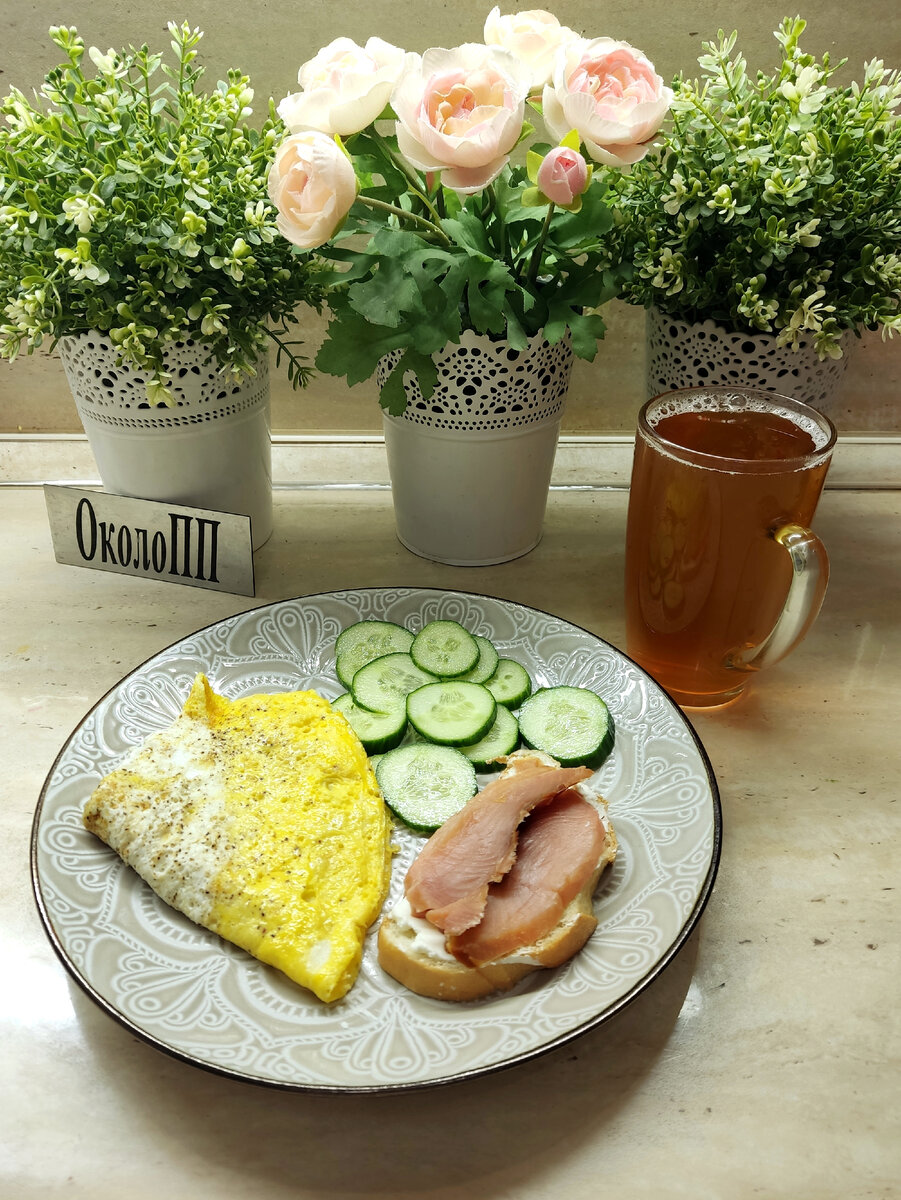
(270,39)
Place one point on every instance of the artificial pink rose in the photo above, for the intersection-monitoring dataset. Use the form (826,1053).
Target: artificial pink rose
(460,112)
(611,95)
(313,185)
(534,36)
(344,88)
(562,176)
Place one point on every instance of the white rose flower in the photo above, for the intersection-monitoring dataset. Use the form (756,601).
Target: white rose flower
(344,88)
(312,185)
(534,36)
(460,112)
(611,95)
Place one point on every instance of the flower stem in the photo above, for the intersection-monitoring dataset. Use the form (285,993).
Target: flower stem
(499,220)
(535,264)
(414,180)
(403,215)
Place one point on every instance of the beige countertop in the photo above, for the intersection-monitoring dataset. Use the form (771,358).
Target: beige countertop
(764,1061)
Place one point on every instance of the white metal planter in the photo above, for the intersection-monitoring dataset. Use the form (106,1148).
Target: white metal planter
(683,354)
(210,449)
(471,467)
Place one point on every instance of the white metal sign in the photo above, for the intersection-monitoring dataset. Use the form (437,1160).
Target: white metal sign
(176,544)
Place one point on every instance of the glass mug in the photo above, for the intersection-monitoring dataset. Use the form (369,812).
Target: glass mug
(723,575)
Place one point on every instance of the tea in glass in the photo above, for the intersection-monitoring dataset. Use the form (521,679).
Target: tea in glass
(724,482)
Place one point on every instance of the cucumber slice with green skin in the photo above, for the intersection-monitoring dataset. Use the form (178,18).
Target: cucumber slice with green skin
(571,724)
(501,738)
(445,649)
(451,712)
(365,641)
(424,784)
(377,731)
(510,684)
(487,664)
(384,684)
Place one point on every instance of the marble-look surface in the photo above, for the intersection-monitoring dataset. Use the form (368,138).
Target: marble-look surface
(763,1062)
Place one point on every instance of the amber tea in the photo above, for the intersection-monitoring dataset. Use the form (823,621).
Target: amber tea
(718,477)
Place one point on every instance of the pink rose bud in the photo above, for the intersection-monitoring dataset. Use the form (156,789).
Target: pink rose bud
(563,175)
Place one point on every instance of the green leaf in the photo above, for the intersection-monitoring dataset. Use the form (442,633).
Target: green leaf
(594,218)
(372,163)
(425,369)
(468,231)
(359,263)
(533,164)
(397,243)
(486,291)
(516,335)
(386,295)
(533,198)
(586,329)
(584,286)
(353,346)
(392,395)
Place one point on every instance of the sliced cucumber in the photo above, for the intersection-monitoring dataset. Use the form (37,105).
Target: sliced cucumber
(377,731)
(384,684)
(445,649)
(364,641)
(487,664)
(501,738)
(423,784)
(571,724)
(451,712)
(510,684)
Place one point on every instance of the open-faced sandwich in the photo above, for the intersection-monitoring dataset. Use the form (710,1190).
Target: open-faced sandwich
(504,886)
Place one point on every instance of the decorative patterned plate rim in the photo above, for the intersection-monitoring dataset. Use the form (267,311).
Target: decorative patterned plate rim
(641,981)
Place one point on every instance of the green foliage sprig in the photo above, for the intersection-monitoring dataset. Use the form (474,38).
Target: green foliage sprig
(775,202)
(490,262)
(133,203)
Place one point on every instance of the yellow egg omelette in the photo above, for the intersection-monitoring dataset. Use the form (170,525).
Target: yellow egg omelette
(260,819)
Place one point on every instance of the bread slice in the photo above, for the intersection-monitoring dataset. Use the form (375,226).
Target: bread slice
(413,952)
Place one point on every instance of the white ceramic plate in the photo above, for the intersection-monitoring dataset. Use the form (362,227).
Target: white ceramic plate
(189,993)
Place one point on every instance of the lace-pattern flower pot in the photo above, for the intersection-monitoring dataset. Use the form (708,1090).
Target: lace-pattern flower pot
(683,354)
(471,467)
(211,449)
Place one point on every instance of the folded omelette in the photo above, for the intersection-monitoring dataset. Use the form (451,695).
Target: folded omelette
(260,819)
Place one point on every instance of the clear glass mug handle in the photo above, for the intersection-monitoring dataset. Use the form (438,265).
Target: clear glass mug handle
(810,574)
